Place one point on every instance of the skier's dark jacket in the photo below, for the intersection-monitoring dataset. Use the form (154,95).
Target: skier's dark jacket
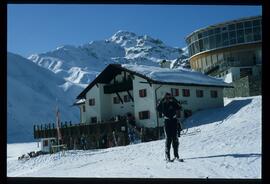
(169,109)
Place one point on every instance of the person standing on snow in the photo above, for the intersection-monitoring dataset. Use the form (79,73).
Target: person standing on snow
(169,107)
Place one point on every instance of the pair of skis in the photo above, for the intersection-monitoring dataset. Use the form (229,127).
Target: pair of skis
(175,159)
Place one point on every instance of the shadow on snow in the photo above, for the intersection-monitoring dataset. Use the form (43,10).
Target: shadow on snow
(215,114)
(228,155)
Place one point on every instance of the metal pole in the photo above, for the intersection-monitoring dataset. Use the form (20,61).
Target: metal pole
(156,111)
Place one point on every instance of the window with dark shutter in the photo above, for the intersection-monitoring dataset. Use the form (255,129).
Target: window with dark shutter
(144,115)
(214,94)
(93,119)
(91,102)
(175,91)
(186,92)
(126,98)
(116,100)
(199,93)
(83,107)
(142,93)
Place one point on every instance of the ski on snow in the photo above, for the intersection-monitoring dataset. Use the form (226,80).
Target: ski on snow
(178,160)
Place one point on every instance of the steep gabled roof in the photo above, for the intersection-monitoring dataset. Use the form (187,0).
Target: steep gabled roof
(156,75)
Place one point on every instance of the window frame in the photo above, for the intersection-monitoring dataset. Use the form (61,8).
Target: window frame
(92,118)
(127,98)
(116,101)
(142,93)
(143,115)
(214,93)
(199,93)
(176,90)
(184,92)
(92,102)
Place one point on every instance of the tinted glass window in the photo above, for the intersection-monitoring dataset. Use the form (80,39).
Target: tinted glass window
(206,43)
(256,22)
(257,33)
(210,32)
(212,41)
(218,40)
(239,25)
(217,30)
(248,35)
(201,45)
(248,24)
(232,37)
(231,27)
(199,35)
(240,36)
(225,39)
(205,33)
(197,49)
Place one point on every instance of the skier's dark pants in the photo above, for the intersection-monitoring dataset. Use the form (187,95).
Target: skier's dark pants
(171,137)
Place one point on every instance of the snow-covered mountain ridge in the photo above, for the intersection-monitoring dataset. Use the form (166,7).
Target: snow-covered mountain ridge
(80,64)
(228,146)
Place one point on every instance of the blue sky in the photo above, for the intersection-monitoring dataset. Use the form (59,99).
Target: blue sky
(41,28)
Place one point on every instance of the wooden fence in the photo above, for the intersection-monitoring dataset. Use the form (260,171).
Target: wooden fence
(86,136)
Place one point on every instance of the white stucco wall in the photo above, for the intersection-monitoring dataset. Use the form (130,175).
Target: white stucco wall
(144,103)
(122,109)
(93,111)
(82,114)
(105,104)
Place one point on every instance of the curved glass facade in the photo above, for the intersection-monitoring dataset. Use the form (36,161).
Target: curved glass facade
(224,35)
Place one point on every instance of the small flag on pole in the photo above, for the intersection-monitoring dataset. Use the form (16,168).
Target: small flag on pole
(58,124)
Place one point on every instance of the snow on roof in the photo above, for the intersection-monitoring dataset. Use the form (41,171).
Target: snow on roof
(81,101)
(180,75)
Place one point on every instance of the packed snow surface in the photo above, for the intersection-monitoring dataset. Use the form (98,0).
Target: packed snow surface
(180,75)
(228,146)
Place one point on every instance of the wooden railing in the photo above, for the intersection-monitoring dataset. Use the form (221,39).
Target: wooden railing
(96,135)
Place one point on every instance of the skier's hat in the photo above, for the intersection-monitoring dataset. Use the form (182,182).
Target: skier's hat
(167,94)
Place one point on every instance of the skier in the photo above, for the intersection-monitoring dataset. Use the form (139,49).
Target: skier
(169,107)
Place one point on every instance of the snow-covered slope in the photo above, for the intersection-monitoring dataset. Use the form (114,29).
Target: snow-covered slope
(228,146)
(32,95)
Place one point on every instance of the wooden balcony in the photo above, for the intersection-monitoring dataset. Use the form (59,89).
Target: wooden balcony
(118,87)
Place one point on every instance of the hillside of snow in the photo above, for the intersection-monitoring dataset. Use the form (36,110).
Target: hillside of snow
(32,95)
(228,146)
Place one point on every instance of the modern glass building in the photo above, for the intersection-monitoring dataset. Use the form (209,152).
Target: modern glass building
(217,48)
